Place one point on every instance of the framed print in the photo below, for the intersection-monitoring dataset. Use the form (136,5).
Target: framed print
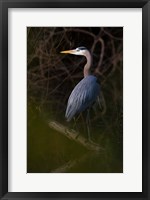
(74,99)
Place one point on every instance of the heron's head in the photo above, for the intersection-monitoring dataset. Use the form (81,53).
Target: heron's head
(78,51)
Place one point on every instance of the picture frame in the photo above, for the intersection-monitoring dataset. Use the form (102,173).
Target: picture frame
(4,6)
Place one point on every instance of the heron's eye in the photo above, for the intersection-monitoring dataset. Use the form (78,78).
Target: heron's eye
(77,49)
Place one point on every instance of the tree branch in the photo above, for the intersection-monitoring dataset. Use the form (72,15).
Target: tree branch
(74,136)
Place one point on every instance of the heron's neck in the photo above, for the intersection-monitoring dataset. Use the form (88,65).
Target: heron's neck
(88,64)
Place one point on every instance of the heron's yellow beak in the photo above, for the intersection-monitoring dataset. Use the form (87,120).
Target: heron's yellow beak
(73,51)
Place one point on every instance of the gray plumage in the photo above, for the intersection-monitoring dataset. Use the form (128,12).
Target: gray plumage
(83,96)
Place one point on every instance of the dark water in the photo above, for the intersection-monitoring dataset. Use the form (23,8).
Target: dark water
(48,151)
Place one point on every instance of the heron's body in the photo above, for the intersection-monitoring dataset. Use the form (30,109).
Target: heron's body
(85,92)
(82,96)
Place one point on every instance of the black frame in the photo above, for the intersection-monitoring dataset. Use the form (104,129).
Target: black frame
(4,5)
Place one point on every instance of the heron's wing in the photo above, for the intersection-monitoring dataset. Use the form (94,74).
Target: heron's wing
(83,95)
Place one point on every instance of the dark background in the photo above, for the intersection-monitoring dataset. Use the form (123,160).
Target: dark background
(51,77)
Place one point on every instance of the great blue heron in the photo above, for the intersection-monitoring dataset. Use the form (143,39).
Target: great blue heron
(85,92)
